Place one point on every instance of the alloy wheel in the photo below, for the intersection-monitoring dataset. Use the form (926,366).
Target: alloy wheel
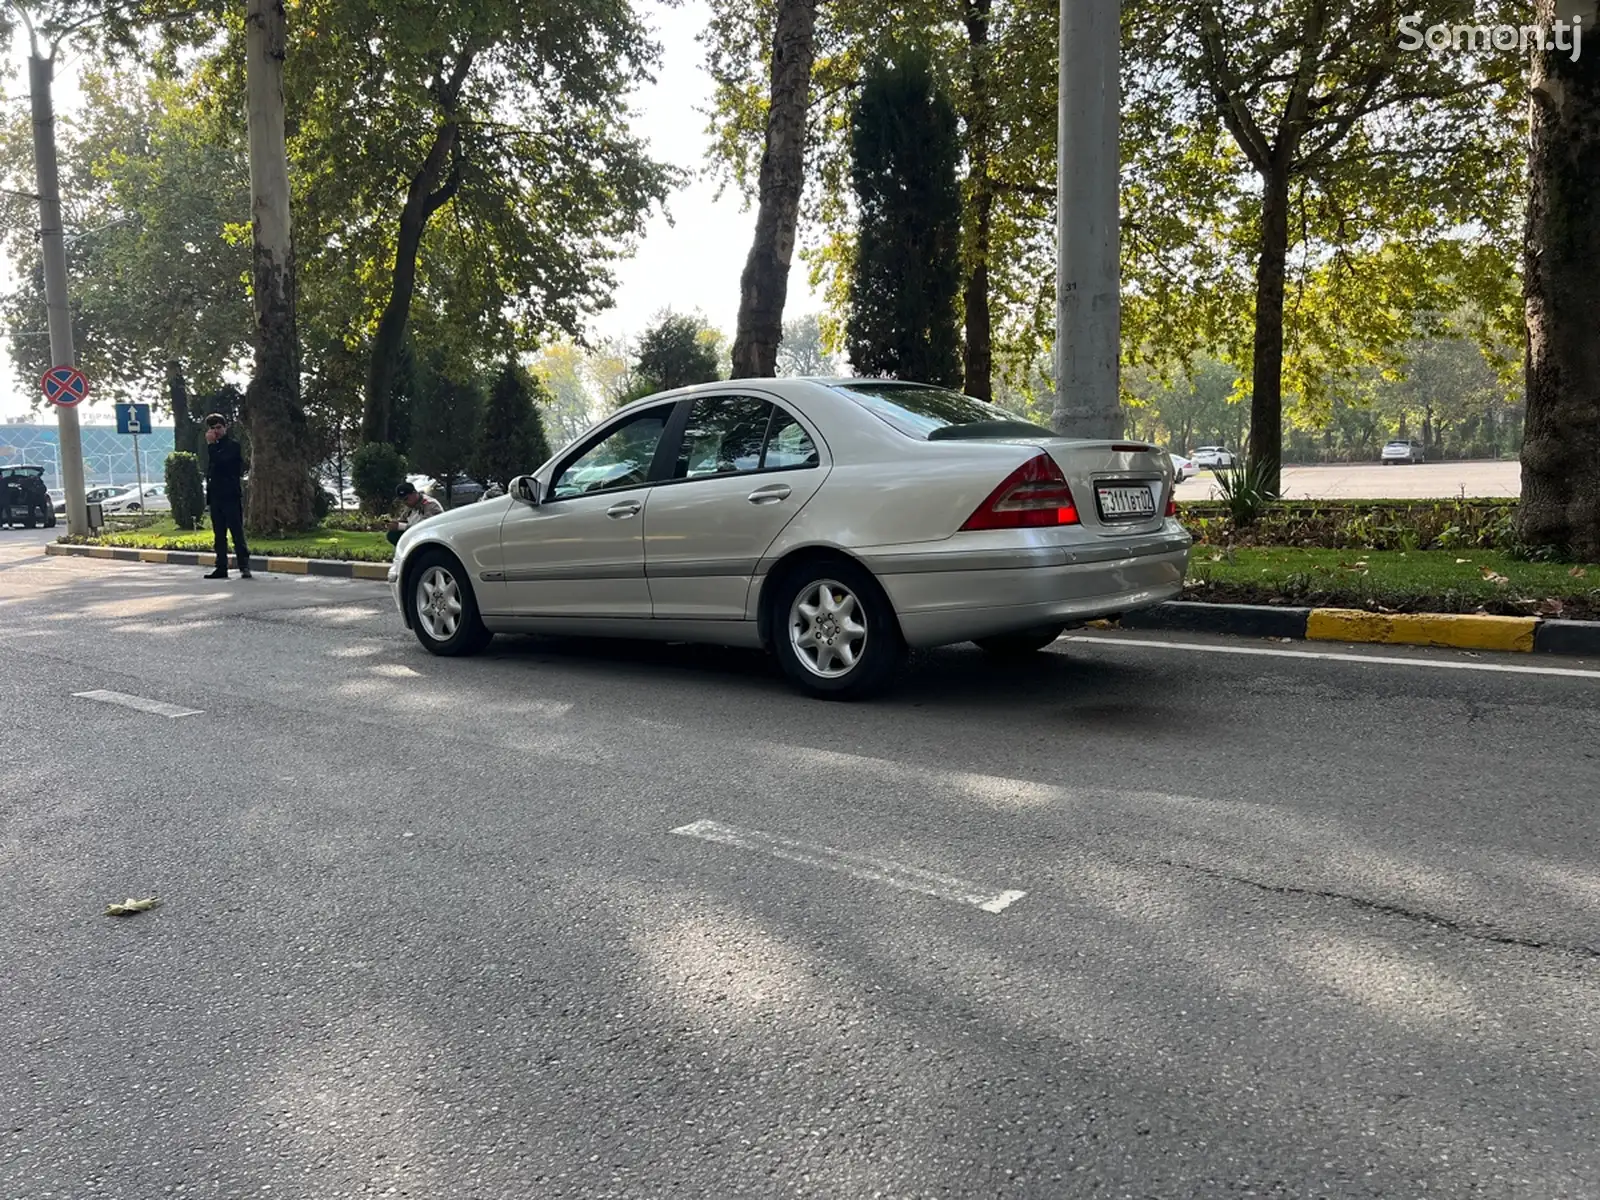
(439,603)
(828,629)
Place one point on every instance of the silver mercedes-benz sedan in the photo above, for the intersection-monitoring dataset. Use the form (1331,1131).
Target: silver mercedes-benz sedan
(834,522)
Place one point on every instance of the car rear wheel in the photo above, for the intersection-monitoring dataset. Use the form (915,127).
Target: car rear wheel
(834,630)
(1019,645)
(443,609)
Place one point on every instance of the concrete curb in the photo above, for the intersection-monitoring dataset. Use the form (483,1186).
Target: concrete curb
(1456,631)
(336,568)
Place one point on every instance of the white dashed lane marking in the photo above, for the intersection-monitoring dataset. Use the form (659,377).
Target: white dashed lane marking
(139,703)
(857,866)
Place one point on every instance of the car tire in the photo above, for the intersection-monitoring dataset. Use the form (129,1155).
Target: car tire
(440,579)
(50,518)
(827,598)
(1021,644)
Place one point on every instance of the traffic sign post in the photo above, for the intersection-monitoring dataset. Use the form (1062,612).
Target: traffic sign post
(135,419)
(65,387)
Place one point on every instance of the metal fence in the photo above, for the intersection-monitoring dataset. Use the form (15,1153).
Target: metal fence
(107,455)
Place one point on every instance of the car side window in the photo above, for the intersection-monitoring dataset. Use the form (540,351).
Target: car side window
(788,444)
(619,460)
(724,436)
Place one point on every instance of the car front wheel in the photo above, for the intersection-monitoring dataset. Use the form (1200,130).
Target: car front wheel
(443,609)
(834,631)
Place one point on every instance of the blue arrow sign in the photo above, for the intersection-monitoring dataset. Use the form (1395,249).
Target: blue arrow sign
(133,418)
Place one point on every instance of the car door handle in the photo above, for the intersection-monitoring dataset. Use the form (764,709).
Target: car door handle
(627,508)
(770,494)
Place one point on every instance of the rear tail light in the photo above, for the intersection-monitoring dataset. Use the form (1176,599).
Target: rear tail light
(1172,507)
(1033,496)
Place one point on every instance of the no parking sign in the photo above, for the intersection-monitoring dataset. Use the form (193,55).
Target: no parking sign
(65,386)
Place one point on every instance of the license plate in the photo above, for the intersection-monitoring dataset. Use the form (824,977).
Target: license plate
(1126,503)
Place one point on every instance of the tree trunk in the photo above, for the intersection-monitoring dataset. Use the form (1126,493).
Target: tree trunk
(280,485)
(431,188)
(977,355)
(1266,386)
(185,429)
(1561,282)
(764,286)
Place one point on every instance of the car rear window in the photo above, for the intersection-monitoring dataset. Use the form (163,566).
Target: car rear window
(935,414)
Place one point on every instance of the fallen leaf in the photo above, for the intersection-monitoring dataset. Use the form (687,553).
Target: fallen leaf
(1493,576)
(130,906)
(1459,561)
(1552,607)
(1577,572)
(1216,558)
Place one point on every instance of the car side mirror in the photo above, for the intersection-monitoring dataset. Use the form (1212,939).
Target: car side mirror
(526,489)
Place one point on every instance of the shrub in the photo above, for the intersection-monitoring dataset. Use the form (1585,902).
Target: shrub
(375,471)
(321,504)
(1245,492)
(184,489)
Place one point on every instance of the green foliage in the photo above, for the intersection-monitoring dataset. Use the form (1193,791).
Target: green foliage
(445,422)
(153,190)
(675,352)
(1359,524)
(906,276)
(321,504)
(1246,491)
(185,490)
(511,438)
(375,471)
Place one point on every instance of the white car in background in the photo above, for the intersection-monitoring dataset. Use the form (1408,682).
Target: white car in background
(1210,458)
(153,499)
(1182,468)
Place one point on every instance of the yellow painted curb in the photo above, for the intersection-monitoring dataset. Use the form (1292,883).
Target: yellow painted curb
(1459,631)
(289,566)
(366,570)
(100,552)
(154,556)
(59,548)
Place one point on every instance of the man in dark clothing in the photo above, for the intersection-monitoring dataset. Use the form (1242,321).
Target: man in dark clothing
(225,496)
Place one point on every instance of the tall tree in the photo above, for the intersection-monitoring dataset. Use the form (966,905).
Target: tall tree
(1347,140)
(764,286)
(485,145)
(511,439)
(675,353)
(281,486)
(154,188)
(1561,273)
(569,405)
(801,352)
(907,274)
(446,421)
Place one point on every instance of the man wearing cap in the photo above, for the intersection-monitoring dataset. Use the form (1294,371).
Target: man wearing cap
(418,508)
(225,496)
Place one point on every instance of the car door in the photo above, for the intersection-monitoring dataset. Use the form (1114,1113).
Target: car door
(579,552)
(745,466)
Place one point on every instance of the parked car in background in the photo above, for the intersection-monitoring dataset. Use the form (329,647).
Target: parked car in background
(1212,457)
(462,491)
(95,495)
(24,500)
(1183,468)
(1402,450)
(835,523)
(153,499)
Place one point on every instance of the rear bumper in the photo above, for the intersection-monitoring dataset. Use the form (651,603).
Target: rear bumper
(947,598)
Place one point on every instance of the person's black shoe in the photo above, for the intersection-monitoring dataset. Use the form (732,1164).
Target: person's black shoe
(246,575)
(217,575)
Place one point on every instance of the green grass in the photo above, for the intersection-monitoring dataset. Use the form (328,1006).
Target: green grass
(1401,580)
(319,543)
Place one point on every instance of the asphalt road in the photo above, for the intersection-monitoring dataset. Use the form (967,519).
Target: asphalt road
(1374,481)
(1290,926)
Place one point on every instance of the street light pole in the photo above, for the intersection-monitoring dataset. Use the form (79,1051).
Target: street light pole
(1088,236)
(41,72)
